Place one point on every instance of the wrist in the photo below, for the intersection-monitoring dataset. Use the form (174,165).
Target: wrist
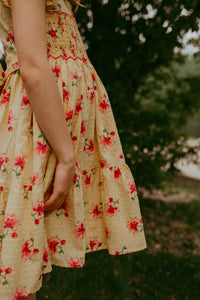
(68,160)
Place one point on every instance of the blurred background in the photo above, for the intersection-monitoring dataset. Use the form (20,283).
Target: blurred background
(147,55)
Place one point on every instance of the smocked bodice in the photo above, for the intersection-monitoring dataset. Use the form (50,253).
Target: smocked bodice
(60,42)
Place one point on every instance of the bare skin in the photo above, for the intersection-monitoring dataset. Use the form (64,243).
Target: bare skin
(30,38)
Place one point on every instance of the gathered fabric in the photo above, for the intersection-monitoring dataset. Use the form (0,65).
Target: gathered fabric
(102,208)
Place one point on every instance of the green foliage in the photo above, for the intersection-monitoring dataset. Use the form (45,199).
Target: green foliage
(3,62)
(135,60)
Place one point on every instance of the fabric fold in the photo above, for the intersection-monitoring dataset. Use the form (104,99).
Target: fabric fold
(101,210)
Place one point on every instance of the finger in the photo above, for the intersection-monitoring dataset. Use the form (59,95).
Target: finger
(50,203)
(57,206)
(53,203)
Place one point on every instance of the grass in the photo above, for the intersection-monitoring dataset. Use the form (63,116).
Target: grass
(169,269)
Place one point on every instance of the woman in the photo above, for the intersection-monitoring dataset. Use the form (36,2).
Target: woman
(65,187)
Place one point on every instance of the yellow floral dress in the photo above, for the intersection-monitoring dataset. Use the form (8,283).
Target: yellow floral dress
(102,209)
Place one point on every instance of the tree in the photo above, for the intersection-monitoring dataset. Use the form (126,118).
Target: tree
(135,60)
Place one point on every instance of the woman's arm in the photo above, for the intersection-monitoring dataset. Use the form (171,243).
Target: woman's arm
(41,87)
(30,37)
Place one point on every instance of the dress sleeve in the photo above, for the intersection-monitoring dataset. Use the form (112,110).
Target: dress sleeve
(6,3)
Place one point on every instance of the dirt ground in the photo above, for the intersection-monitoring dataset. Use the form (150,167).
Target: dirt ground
(183,189)
(172,218)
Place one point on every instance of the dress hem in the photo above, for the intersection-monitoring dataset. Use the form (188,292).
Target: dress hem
(133,250)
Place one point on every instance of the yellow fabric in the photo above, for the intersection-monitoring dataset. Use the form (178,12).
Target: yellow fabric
(102,208)
(6,3)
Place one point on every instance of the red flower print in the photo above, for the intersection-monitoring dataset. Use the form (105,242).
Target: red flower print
(38,209)
(93,77)
(132,224)
(75,262)
(3,161)
(2,269)
(78,106)
(56,243)
(28,250)
(20,293)
(84,59)
(87,175)
(112,207)
(19,161)
(41,149)
(26,189)
(89,148)
(101,182)
(111,211)
(10,120)
(122,251)
(96,212)
(14,235)
(69,114)
(8,270)
(117,174)
(63,210)
(106,141)
(87,180)
(3,274)
(107,232)
(53,34)
(80,230)
(73,53)
(25,102)
(75,75)
(35,179)
(121,156)
(74,138)
(103,106)
(53,243)
(56,70)
(94,244)
(15,65)
(132,187)
(83,128)
(11,222)
(46,255)
(5,99)
(91,96)
(103,163)
(76,180)
(65,96)
(11,35)
(107,138)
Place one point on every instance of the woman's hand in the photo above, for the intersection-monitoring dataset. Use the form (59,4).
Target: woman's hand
(64,175)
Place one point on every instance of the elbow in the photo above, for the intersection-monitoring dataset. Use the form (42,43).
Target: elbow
(31,72)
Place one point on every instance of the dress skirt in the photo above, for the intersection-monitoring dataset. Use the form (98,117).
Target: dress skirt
(102,208)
